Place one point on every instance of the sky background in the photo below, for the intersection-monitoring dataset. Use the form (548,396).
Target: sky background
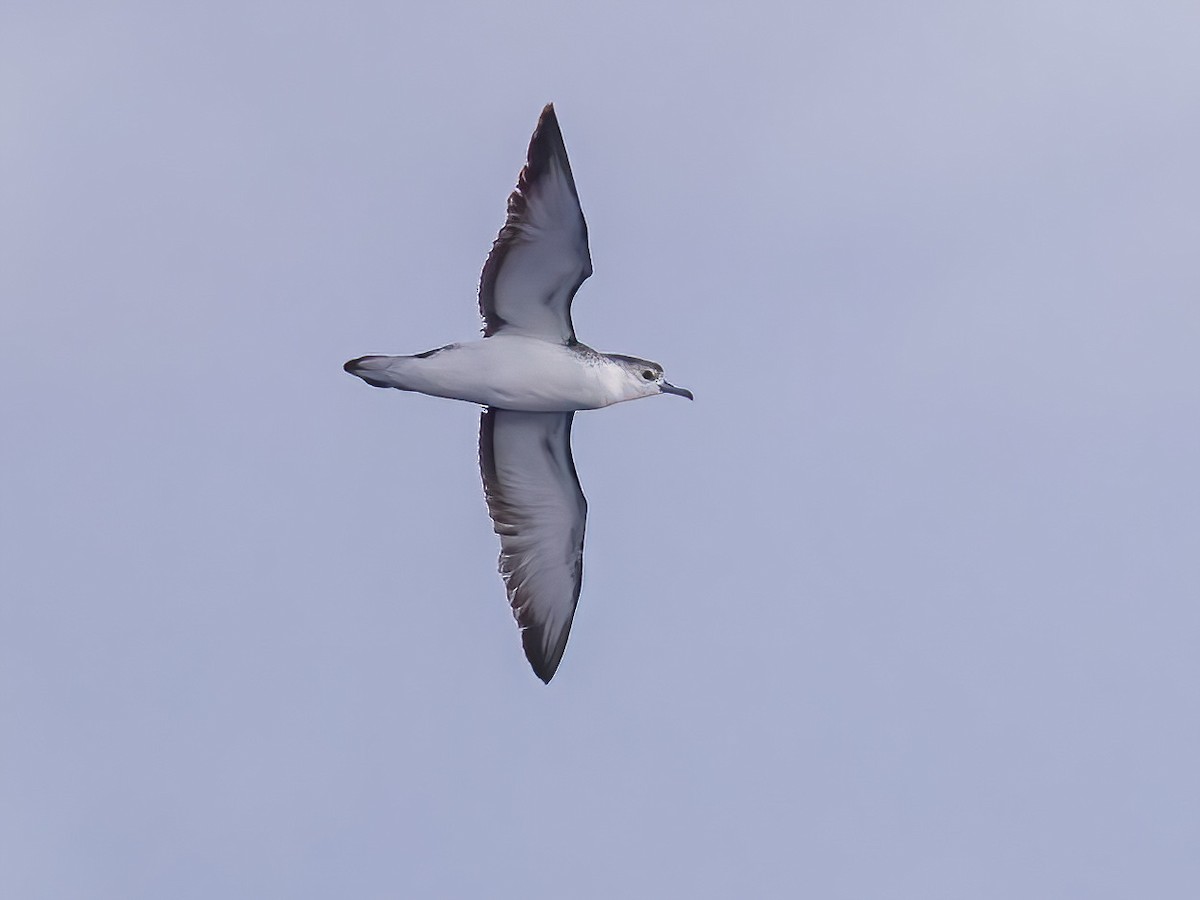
(905,605)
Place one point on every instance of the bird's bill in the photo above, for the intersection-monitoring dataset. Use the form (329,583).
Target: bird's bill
(667,388)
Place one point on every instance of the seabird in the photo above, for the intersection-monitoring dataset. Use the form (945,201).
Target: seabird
(532,375)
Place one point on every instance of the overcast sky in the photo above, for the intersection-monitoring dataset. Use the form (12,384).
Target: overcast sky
(905,605)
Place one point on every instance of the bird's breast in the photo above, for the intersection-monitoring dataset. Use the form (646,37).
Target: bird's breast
(514,372)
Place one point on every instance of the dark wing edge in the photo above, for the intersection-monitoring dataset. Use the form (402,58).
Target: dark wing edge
(545,145)
(522,517)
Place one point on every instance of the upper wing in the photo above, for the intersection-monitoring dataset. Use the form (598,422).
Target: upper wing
(539,511)
(541,256)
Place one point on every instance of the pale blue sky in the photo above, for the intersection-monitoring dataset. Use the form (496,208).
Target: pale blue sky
(905,605)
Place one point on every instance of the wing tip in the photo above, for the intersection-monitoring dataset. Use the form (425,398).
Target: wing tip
(548,121)
(545,144)
(544,663)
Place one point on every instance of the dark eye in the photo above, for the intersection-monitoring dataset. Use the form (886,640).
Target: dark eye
(648,375)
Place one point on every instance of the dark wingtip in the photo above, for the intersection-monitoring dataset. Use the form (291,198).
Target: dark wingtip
(544,664)
(547,122)
(351,364)
(543,673)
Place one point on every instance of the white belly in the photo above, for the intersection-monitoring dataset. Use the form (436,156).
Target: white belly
(513,372)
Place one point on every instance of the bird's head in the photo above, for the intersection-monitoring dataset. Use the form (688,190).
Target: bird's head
(643,378)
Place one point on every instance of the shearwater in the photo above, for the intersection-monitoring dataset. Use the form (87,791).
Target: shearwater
(532,375)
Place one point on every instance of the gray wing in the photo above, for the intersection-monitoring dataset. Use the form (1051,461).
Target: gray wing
(541,256)
(539,511)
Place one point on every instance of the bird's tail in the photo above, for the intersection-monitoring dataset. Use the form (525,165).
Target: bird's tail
(374,370)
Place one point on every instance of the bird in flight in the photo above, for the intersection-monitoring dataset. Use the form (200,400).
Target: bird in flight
(532,375)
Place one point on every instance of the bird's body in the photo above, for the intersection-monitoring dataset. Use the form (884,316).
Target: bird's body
(532,375)
(510,371)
